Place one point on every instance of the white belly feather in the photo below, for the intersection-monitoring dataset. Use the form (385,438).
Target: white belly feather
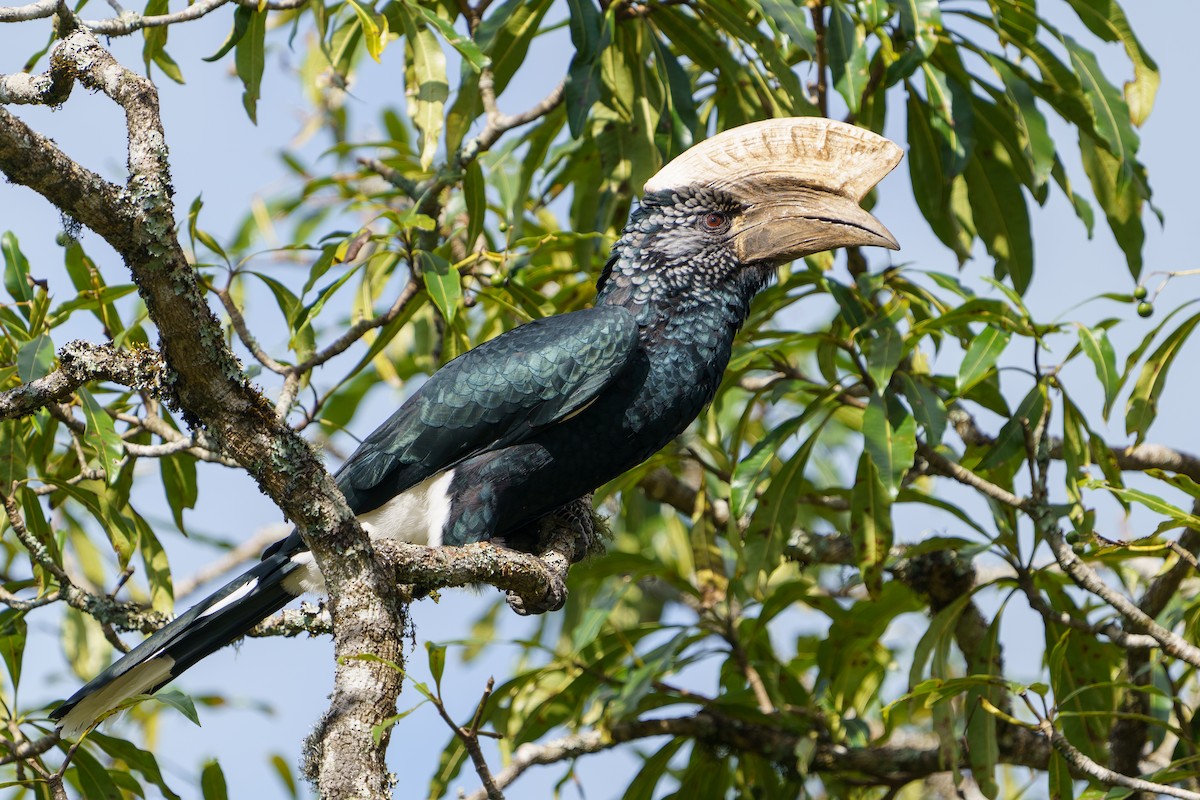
(416,515)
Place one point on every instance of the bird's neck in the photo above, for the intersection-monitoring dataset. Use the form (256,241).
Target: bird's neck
(655,294)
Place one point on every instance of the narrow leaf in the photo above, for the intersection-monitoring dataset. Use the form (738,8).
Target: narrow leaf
(981,356)
(1142,406)
(1097,347)
(250,59)
(890,437)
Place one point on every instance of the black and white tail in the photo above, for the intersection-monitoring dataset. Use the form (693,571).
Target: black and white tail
(214,622)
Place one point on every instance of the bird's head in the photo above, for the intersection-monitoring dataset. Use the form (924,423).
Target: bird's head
(739,204)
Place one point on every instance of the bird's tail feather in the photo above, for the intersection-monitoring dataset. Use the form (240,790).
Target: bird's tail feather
(226,615)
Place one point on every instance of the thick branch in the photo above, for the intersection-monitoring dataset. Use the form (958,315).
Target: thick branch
(876,765)
(80,362)
(38,10)
(138,221)
(51,88)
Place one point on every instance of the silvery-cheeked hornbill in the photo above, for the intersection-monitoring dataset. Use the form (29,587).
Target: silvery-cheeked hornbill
(543,414)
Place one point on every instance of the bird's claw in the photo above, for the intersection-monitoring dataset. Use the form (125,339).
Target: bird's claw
(554,599)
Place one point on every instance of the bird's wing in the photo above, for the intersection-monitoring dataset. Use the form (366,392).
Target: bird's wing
(491,396)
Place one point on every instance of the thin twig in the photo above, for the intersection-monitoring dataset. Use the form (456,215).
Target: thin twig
(1106,776)
(244,334)
(129,22)
(469,736)
(1085,577)
(953,469)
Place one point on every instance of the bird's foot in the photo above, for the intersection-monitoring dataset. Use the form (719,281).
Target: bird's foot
(554,599)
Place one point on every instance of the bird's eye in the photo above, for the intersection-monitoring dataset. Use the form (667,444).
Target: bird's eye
(714,221)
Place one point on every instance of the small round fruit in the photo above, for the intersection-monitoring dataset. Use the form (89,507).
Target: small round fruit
(1139,293)
(1145,309)
(1072,537)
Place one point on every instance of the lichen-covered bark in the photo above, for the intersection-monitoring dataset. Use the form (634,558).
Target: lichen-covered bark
(207,381)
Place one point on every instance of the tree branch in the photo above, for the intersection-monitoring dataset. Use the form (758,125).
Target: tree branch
(39,10)
(79,363)
(1106,776)
(1085,577)
(138,221)
(882,765)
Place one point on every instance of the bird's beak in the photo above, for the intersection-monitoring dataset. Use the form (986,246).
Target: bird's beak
(793,222)
(800,180)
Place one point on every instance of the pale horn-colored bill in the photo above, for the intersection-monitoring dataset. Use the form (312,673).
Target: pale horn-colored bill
(814,152)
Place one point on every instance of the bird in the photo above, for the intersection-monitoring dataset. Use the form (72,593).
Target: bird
(543,414)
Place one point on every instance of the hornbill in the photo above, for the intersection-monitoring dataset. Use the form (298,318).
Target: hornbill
(543,414)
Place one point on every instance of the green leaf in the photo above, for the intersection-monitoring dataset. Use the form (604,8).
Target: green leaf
(155,38)
(1011,439)
(442,282)
(437,662)
(591,33)
(921,23)
(178,472)
(469,50)
(927,407)
(776,509)
(35,358)
(932,185)
(1083,209)
(790,19)
(135,758)
(178,701)
(16,270)
(506,33)
(425,84)
(374,29)
(999,211)
(379,730)
(1113,125)
(1097,347)
(102,435)
(13,632)
(980,357)
(241,23)
(284,770)
(653,768)
(1150,501)
(158,570)
(250,59)
(212,782)
(194,230)
(847,55)
(983,748)
(870,524)
(94,781)
(884,352)
(890,438)
(752,469)
(1142,406)
(951,117)
(1121,194)
(854,313)
(597,613)
(475,197)
(936,639)
(1106,19)
(1039,147)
